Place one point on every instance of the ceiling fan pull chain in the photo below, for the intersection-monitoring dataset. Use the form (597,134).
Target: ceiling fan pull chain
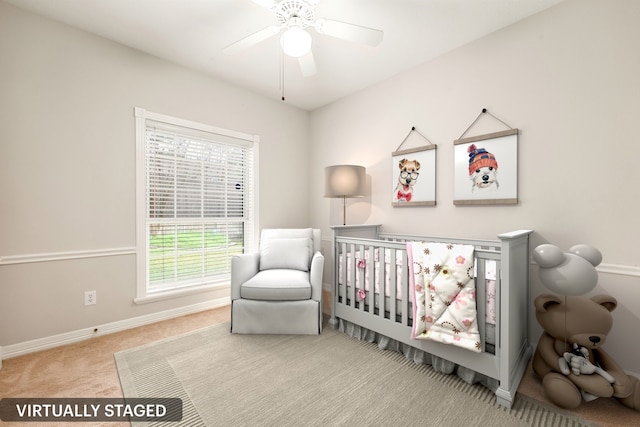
(282,74)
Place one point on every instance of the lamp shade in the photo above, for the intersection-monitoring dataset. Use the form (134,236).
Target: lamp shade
(344,181)
(296,42)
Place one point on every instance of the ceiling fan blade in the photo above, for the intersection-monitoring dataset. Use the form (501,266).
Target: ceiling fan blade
(351,32)
(252,39)
(307,65)
(267,4)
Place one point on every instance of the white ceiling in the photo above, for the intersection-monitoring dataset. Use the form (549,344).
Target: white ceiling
(193,32)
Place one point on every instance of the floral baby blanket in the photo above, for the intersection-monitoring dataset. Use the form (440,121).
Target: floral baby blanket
(443,294)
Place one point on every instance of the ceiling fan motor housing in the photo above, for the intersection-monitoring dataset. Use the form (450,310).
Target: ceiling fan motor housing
(295,13)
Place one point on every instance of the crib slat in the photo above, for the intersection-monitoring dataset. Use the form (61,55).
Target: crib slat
(351,299)
(360,281)
(498,332)
(382,275)
(481,298)
(342,289)
(366,283)
(393,282)
(405,291)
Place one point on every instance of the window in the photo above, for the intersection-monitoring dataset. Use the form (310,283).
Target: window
(196,204)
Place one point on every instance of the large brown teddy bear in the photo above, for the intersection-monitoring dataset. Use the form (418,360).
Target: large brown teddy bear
(569,358)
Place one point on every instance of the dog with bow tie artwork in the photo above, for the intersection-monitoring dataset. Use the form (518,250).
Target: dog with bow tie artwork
(407,178)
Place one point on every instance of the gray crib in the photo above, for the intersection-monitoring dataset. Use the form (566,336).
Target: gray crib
(385,307)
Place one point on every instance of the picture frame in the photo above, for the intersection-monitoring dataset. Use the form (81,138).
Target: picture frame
(414,177)
(486,169)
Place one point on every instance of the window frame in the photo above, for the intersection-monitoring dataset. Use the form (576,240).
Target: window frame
(251,225)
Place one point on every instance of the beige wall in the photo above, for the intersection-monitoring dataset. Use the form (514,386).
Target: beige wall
(67,168)
(568,79)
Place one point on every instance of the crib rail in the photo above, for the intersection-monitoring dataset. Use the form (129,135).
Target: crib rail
(479,244)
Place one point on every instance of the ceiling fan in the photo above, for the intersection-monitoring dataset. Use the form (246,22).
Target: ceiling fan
(295,16)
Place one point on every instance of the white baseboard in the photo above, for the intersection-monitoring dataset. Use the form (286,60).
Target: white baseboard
(39,344)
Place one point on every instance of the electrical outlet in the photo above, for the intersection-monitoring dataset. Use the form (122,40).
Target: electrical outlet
(90,298)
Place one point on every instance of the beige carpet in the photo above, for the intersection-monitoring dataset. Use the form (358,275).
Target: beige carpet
(324,380)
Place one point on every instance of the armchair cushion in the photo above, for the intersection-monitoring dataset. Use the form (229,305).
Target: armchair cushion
(277,285)
(288,253)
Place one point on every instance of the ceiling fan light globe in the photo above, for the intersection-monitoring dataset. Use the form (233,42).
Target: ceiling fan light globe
(296,42)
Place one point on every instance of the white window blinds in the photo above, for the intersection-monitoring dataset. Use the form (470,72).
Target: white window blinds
(198,202)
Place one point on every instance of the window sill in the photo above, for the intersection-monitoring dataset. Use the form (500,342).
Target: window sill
(179,293)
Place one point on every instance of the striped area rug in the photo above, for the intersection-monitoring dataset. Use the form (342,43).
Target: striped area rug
(325,380)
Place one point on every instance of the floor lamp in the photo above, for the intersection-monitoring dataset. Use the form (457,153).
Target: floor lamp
(344,181)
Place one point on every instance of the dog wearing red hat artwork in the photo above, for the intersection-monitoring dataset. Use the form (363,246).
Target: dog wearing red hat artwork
(483,169)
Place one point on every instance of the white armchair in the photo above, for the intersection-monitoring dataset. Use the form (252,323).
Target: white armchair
(278,290)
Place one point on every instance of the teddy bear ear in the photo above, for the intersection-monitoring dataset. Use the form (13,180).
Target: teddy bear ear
(607,301)
(542,302)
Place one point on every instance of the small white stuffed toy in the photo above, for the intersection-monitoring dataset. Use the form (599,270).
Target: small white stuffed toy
(577,362)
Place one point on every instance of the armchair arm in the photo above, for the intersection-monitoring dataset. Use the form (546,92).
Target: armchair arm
(243,268)
(315,276)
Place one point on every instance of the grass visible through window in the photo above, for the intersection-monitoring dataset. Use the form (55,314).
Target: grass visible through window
(186,254)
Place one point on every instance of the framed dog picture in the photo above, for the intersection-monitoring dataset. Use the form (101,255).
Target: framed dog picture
(414,176)
(486,169)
